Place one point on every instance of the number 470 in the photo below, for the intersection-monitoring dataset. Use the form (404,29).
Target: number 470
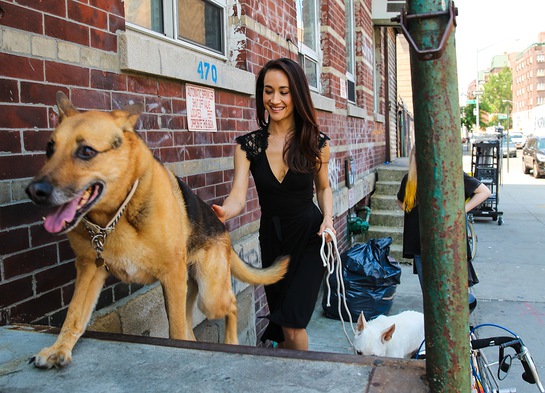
(207,70)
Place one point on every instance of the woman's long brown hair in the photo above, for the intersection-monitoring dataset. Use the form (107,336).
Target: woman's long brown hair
(301,153)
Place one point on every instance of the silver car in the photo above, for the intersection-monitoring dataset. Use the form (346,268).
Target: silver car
(519,139)
(512,150)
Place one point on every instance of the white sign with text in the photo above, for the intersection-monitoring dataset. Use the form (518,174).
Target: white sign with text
(201,108)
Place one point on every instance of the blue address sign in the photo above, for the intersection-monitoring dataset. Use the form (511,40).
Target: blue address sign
(207,71)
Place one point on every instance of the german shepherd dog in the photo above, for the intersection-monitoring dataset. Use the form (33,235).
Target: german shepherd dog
(125,214)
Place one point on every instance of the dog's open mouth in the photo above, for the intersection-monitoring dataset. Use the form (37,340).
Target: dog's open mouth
(66,216)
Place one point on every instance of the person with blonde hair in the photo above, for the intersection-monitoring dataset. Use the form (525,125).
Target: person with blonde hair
(407,198)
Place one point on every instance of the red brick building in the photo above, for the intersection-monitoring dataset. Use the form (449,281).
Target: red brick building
(107,54)
(528,68)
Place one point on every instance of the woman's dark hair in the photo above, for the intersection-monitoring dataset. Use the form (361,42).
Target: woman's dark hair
(301,153)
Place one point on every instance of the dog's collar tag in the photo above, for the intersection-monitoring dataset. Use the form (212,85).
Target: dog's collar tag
(99,262)
(97,242)
(98,234)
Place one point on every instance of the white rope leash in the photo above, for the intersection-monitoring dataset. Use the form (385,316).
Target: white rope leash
(332,262)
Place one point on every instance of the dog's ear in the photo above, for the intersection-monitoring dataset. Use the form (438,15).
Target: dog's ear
(362,324)
(388,333)
(66,108)
(127,117)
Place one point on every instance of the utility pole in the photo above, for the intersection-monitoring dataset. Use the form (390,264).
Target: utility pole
(510,102)
(429,28)
(477,93)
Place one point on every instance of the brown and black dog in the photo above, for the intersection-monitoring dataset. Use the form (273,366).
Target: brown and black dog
(126,214)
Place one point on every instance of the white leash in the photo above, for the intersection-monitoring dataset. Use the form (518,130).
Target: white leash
(329,261)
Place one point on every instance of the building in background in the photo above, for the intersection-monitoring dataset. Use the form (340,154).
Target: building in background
(528,68)
(528,88)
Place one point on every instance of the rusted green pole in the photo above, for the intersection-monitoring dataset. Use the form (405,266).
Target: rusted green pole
(440,194)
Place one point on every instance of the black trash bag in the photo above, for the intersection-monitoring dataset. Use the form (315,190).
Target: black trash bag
(370,279)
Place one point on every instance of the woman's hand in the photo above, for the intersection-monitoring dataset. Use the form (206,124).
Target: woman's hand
(220,212)
(327,223)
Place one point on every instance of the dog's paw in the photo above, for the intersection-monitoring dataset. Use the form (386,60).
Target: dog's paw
(52,357)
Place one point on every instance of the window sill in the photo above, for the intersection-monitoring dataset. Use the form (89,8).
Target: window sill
(144,53)
(354,111)
(379,118)
(322,103)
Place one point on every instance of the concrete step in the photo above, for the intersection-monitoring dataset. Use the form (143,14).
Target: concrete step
(387,187)
(377,232)
(391,218)
(384,202)
(391,173)
(386,218)
(396,250)
(124,363)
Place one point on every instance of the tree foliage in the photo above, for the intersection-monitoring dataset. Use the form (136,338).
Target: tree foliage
(468,117)
(496,91)
(497,95)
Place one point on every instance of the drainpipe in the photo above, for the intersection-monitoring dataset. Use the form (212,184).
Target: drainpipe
(387,103)
(428,26)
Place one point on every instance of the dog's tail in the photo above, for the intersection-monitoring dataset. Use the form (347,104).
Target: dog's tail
(255,276)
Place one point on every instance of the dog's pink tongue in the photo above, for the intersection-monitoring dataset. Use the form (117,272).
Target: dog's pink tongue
(54,222)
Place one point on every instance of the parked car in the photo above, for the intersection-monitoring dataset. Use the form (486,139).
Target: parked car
(512,148)
(519,139)
(533,156)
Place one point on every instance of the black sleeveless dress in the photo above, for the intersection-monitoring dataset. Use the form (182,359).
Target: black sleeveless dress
(290,221)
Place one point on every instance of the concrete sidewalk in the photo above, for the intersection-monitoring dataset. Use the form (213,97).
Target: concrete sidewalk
(327,335)
(510,263)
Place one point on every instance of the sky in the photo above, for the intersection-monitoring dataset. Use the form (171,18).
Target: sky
(486,28)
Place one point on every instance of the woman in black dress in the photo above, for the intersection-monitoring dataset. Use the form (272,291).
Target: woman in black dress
(288,158)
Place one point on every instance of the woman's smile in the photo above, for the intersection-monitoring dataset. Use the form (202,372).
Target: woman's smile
(277,96)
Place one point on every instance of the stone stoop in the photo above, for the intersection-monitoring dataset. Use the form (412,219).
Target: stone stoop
(124,363)
(386,218)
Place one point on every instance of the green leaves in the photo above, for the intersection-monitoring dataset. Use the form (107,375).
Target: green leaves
(497,96)
(495,105)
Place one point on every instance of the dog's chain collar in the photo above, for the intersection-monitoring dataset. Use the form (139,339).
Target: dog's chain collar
(98,234)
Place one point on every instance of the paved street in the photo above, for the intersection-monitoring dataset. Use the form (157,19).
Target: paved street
(510,263)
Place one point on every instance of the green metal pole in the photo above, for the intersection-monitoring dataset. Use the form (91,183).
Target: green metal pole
(440,195)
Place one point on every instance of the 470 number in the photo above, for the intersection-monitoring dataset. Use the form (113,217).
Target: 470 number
(208,71)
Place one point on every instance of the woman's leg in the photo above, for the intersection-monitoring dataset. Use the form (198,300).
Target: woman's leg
(294,339)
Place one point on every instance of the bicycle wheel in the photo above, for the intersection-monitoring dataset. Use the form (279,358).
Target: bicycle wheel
(482,378)
(471,238)
(488,378)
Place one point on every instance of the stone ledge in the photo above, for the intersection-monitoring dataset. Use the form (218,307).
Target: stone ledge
(144,53)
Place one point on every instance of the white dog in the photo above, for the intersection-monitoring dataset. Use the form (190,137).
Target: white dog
(397,336)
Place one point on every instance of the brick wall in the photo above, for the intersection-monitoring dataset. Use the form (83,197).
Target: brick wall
(72,46)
